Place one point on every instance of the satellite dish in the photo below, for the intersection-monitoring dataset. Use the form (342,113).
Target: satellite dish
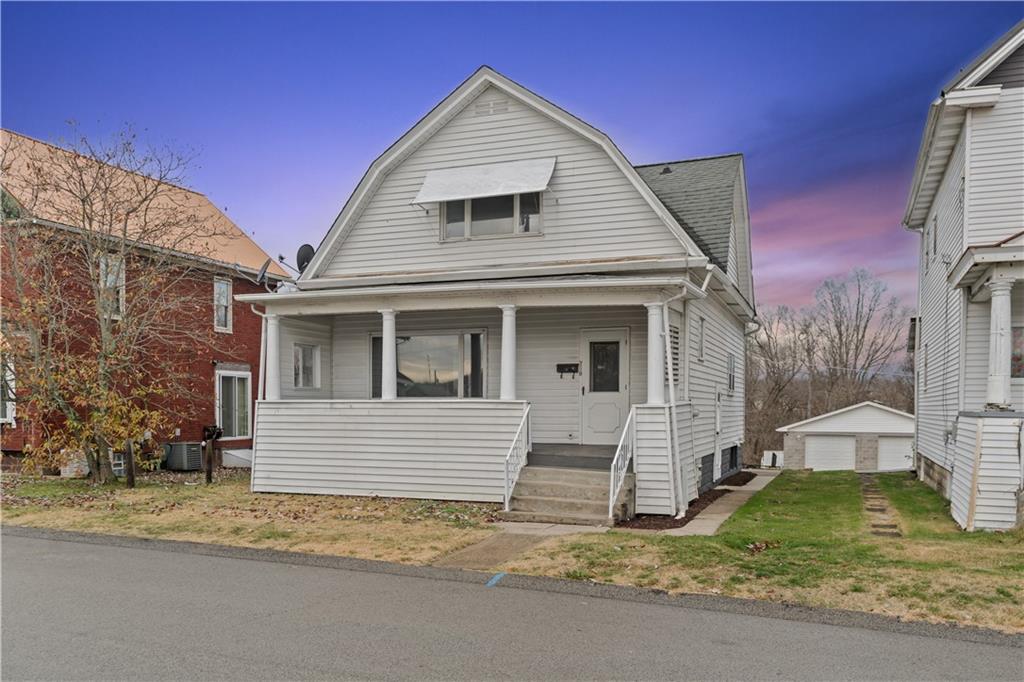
(261,276)
(304,256)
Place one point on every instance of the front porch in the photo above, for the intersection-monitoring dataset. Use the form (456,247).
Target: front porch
(451,403)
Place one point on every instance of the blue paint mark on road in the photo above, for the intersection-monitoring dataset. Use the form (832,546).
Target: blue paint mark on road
(494,579)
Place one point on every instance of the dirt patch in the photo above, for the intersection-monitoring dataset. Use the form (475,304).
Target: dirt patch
(740,478)
(659,522)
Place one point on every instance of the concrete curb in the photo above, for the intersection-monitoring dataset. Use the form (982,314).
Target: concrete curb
(734,605)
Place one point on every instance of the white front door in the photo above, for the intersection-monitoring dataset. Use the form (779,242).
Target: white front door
(605,385)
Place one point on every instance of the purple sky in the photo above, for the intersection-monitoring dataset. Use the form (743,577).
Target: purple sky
(288,104)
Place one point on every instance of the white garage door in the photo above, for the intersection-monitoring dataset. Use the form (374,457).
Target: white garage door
(895,453)
(830,453)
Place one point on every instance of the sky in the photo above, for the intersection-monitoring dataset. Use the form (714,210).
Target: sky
(286,105)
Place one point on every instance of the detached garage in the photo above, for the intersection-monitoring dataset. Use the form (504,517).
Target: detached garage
(864,437)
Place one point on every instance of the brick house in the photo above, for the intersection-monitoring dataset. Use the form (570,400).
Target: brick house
(220,371)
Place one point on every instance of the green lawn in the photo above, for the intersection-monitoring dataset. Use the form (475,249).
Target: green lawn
(805,539)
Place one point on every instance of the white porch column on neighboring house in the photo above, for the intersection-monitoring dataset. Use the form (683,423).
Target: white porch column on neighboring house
(998,393)
(655,355)
(508,352)
(388,359)
(272,372)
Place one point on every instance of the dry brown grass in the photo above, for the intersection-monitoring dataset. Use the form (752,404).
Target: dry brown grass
(181,508)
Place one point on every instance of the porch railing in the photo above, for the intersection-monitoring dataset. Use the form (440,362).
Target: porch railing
(516,457)
(620,464)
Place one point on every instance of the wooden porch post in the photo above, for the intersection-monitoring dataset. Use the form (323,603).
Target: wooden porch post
(508,352)
(388,359)
(272,372)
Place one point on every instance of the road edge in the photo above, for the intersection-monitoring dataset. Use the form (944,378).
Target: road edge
(722,604)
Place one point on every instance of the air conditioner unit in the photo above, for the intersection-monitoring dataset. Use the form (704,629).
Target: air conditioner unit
(184,456)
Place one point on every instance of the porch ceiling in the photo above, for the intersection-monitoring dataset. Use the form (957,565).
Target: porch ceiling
(532,292)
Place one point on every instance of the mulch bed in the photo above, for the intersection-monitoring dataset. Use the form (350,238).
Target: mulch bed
(658,522)
(740,478)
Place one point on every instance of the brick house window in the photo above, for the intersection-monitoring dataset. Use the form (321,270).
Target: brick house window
(222,305)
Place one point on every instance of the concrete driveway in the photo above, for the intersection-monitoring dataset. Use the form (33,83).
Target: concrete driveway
(73,610)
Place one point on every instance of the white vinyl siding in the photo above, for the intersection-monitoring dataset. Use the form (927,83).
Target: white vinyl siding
(996,170)
(861,419)
(590,204)
(653,476)
(830,453)
(941,310)
(309,332)
(444,449)
(723,335)
(1009,74)
(999,476)
(544,338)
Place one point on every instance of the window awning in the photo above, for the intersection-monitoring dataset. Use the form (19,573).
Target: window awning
(488,180)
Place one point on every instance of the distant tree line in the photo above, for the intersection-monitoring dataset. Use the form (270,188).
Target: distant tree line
(847,347)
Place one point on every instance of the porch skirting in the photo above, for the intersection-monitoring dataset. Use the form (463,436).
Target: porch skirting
(421,448)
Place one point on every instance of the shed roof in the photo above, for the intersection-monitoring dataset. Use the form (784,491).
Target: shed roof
(860,418)
(699,193)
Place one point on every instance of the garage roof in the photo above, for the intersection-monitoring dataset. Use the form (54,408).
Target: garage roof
(866,417)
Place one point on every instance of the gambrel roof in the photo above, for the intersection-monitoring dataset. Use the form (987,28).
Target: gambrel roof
(700,195)
(483,78)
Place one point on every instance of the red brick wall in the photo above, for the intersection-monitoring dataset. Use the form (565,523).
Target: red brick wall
(241,345)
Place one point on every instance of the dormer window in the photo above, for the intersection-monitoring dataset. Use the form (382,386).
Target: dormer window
(488,200)
(491,216)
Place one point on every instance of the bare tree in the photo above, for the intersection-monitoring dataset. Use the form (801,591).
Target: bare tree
(774,362)
(104,279)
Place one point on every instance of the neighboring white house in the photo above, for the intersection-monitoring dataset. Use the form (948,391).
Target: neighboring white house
(498,292)
(865,437)
(967,203)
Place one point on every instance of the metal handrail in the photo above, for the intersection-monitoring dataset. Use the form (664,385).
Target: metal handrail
(516,457)
(620,464)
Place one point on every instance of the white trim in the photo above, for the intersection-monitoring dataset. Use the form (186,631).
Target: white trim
(9,414)
(247,375)
(784,429)
(231,287)
(448,107)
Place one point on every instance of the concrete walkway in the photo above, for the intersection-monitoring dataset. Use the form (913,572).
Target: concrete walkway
(709,520)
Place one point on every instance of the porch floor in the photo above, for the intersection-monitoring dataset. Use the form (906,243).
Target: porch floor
(571,456)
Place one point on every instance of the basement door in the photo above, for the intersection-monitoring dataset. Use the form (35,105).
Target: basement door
(605,385)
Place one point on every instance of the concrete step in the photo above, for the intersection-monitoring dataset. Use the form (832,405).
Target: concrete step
(537,517)
(571,506)
(541,487)
(594,463)
(564,475)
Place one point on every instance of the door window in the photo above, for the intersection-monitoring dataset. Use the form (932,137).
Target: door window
(604,366)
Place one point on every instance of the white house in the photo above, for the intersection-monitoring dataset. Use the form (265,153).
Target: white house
(497,293)
(967,202)
(868,436)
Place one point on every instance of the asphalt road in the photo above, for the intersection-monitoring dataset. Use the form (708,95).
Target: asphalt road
(90,611)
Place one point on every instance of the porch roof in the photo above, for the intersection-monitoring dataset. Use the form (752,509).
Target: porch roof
(578,290)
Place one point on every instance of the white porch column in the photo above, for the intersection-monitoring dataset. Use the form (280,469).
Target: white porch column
(998,393)
(388,359)
(655,355)
(508,352)
(272,371)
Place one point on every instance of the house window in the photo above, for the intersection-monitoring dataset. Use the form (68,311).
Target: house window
(731,370)
(7,403)
(111,284)
(935,237)
(306,365)
(442,365)
(233,396)
(222,305)
(1017,356)
(700,340)
(491,216)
